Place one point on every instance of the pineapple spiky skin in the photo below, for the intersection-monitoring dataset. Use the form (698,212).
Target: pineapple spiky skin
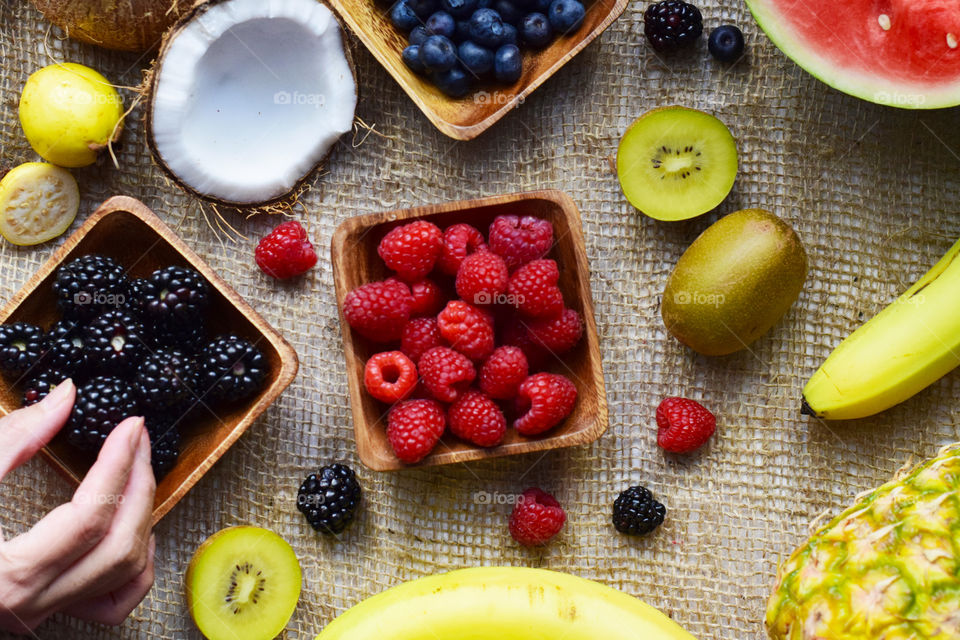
(887,568)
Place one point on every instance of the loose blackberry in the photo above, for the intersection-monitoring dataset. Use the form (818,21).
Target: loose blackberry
(65,349)
(102,404)
(21,346)
(166,382)
(636,513)
(164,448)
(115,342)
(231,369)
(39,386)
(329,498)
(90,285)
(173,297)
(672,24)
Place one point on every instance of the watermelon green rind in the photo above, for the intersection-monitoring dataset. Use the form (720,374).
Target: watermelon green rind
(873,87)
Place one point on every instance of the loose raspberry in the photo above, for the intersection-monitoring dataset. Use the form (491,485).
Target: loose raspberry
(477,419)
(533,289)
(544,400)
(412,250)
(503,372)
(414,428)
(467,329)
(537,518)
(557,335)
(286,252)
(419,336)
(378,310)
(390,376)
(516,334)
(446,373)
(482,278)
(520,240)
(684,425)
(459,241)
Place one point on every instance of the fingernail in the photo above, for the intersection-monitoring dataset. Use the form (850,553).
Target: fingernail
(136,433)
(59,394)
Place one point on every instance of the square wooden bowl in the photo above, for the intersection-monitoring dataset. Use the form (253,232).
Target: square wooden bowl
(126,230)
(355,262)
(468,117)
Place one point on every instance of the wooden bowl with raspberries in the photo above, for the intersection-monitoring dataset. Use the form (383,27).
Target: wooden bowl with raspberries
(468,330)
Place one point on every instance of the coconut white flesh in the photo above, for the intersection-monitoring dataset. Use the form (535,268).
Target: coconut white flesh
(250,96)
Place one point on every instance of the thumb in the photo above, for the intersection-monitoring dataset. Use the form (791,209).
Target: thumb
(26,431)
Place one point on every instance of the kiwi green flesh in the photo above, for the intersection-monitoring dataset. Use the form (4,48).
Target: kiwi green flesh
(243,583)
(677,163)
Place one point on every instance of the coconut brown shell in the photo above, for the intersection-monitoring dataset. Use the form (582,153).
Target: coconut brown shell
(124,25)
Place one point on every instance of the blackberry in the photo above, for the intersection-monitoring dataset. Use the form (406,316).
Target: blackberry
(329,498)
(164,447)
(21,347)
(231,369)
(90,285)
(190,337)
(672,24)
(172,297)
(102,404)
(166,382)
(65,349)
(39,386)
(115,342)
(636,513)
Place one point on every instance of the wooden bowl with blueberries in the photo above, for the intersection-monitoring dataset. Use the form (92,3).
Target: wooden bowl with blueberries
(467,63)
(144,327)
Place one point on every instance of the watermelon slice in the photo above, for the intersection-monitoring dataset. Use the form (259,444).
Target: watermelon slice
(902,53)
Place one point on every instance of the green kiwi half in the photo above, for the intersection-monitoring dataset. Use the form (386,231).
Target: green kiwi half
(243,582)
(676,163)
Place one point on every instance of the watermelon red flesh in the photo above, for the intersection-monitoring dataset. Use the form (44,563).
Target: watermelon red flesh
(843,42)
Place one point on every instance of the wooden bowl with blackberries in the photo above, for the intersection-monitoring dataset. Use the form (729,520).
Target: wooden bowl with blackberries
(144,328)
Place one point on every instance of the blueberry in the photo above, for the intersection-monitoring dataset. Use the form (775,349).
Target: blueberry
(508,11)
(403,17)
(542,6)
(536,30)
(484,4)
(424,8)
(475,59)
(419,35)
(486,28)
(462,31)
(441,24)
(459,8)
(510,35)
(454,82)
(411,57)
(566,15)
(726,43)
(507,64)
(438,53)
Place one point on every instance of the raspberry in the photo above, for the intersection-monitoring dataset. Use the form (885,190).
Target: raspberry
(537,518)
(503,372)
(419,336)
(482,278)
(378,310)
(559,334)
(544,400)
(428,298)
(446,373)
(412,250)
(459,241)
(477,419)
(684,425)
(414,428)
(534,289)
(390,376)
(516,334)
(467,329)
(286,252)
(520,240)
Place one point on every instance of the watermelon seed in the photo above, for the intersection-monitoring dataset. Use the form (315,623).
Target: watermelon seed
(952,41)
(884,21)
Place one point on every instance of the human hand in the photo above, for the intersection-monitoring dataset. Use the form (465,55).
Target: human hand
(91,558)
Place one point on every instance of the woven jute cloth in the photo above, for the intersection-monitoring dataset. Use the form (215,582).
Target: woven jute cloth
(873,192)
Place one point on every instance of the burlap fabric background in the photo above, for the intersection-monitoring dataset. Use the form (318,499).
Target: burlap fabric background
(873,192)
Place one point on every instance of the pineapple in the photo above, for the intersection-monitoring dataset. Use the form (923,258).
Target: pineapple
(887,568)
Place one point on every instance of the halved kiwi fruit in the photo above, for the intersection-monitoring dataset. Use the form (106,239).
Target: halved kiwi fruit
(676,163)
(243,582)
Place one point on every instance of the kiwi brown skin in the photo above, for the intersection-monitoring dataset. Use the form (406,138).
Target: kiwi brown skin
(736,280)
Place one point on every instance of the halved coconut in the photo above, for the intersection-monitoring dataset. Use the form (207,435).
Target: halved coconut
(248,97)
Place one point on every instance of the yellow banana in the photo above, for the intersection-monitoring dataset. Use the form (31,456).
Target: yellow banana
(905,348)
(503,603)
